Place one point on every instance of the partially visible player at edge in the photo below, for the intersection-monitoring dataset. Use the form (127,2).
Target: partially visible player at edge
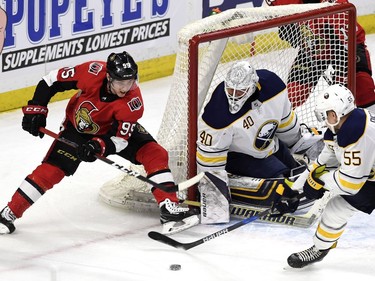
(345,167)
(102,117)
(299,92)
(245,129)
(3,23)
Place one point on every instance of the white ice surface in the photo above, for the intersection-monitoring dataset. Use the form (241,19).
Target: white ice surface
(70,235)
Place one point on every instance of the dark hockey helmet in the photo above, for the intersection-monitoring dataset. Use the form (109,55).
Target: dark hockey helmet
(121,66)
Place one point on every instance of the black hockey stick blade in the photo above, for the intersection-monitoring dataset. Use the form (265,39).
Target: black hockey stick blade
(186,246)
(157,236)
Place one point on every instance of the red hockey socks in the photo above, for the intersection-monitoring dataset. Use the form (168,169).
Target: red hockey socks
(154,158)
(44,177)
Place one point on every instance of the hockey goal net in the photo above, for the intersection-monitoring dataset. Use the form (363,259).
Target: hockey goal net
(321,36)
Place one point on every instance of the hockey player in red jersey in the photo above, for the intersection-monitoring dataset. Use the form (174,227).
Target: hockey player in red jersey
(303,64)
(102,118)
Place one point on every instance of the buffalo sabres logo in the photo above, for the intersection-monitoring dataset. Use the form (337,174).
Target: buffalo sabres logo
(84,123)
(266,134)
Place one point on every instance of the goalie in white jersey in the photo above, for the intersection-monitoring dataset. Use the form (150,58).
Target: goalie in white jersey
(345,167)
(245,129)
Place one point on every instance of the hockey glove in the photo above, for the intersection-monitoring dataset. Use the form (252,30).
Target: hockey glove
(314,187)
(285,199)
(87,152)
(34,117)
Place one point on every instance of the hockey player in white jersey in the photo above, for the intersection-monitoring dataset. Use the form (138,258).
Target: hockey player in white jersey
(345,167)
(245,129)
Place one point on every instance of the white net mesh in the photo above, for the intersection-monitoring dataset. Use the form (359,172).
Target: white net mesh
(264,49)
(304,48)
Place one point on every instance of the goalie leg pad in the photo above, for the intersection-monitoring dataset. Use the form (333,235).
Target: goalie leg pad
(215,198)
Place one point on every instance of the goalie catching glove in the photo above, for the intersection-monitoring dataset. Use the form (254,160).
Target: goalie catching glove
(34,117)
(285,200)
(314,186)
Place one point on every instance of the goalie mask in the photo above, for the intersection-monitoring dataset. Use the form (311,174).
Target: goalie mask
(240,83)
(335,98)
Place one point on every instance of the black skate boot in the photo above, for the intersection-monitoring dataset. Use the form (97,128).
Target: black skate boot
(176,218)
(6,221)
(309,256)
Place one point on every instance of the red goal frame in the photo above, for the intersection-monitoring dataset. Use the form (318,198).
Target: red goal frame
(234,31)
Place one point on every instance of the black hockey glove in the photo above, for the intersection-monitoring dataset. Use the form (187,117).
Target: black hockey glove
(314,186)
(87,151)
(285,199)
(34,117)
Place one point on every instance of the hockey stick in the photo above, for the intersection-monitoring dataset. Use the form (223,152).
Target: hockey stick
(186,246)
(242,211)
(179,187)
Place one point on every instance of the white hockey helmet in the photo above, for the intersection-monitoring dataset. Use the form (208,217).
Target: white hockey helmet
(337,98)
(240,83)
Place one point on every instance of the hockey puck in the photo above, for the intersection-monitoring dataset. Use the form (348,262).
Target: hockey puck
(175,267)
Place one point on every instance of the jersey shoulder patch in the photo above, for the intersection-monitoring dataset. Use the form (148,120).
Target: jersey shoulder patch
(328,135)
(270,84)
(353,128)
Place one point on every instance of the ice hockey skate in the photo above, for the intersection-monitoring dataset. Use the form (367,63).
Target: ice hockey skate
(176,218)
(309,256)
(6,221)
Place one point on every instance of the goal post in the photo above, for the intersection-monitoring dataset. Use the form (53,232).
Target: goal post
(306,45)
(261,20)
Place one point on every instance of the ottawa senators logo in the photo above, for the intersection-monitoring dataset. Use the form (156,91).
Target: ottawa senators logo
(141,129)
(84,123)
(266,134)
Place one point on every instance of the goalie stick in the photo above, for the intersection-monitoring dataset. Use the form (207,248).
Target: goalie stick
(238,210)
(175,188)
